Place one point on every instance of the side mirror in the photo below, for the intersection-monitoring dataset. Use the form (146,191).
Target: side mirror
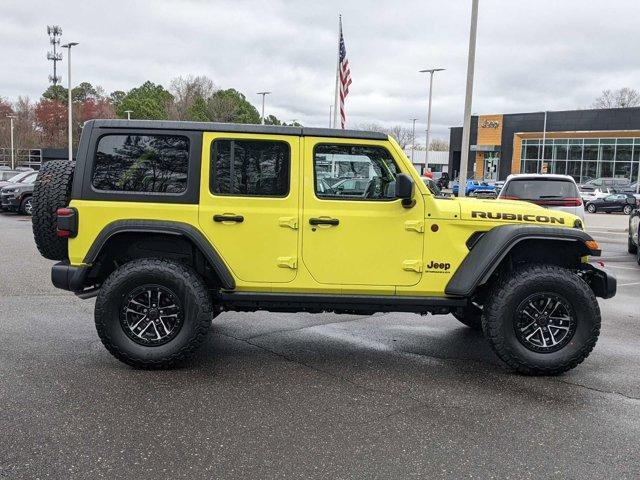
(404,190)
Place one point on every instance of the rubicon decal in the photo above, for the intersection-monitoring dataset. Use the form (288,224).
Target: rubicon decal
(517,217)
(438,266)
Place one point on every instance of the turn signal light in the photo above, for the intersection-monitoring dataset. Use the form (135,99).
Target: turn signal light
(592,245)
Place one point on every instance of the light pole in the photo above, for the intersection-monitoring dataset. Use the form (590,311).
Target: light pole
(430,71)
(264,94)
(466,127)
(128,112)
(13,162)
(70,115)
(413,137)
(330,116)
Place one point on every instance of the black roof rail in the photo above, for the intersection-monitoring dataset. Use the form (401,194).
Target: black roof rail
(238,128)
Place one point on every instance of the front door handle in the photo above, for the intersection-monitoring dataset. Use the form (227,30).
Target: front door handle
(324,221)
(228,218)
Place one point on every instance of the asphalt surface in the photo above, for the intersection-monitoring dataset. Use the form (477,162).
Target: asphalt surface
(307,396)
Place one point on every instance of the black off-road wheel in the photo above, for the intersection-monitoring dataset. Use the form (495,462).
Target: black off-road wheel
(153,313)
(471,316)
(52,190)
(542,320)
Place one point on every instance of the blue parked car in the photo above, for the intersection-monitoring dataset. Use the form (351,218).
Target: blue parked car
(474,187)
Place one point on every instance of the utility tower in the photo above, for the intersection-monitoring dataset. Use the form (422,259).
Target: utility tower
(55,32)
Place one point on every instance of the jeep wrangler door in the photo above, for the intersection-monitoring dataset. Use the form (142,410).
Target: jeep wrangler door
(249,203)
(354,230)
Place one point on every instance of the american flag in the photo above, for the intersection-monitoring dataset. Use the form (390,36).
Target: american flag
(344,73)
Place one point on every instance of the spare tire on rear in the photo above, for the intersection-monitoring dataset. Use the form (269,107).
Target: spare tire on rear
(51,191)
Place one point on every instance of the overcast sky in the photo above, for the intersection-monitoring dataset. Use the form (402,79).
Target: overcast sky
(532,54)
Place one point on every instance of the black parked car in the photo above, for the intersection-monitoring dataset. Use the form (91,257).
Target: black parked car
(618,202)
(16,196)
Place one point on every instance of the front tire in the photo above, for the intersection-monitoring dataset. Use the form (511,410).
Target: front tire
(631,247)
(153,313)
(627,210)
(542,320)
(591,208)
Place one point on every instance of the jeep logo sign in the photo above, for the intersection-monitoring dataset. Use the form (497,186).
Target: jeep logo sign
(490,124)
(438,266)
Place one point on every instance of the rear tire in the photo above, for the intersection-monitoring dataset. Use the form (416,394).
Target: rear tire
(627,210)
(52,190)
(591,208)
(564,332)
(153,313)
(631,247)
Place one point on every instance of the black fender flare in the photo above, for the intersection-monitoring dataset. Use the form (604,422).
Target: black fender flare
(489,250)
(168,228)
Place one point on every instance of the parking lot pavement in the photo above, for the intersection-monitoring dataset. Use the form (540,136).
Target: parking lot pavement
(305,396)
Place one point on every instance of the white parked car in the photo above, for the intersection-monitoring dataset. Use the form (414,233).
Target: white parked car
(600,192)
(556,192)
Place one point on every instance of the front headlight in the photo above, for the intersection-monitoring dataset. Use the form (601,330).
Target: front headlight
(9,190)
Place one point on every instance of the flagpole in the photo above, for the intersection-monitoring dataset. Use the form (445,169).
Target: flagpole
(335,97)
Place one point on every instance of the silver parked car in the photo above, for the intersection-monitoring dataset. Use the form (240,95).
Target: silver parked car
(556,192)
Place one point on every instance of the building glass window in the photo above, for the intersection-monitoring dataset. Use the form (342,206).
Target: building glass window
(583,158)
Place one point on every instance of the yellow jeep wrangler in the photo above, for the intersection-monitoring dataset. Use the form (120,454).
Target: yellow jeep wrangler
(171,223)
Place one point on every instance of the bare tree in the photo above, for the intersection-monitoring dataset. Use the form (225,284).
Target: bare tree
(401,134)
(439,145)
(186,92)
(622,98)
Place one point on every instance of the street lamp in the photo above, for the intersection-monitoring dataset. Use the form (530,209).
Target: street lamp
(264,94)
(430,71)
(128,112)
(466,127)
(413,137)
(330,115)
(70,115)
(13,162)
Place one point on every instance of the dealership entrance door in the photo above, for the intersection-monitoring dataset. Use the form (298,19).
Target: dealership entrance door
(491,166)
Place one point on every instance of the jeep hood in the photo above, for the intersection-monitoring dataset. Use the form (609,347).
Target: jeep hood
(512,211)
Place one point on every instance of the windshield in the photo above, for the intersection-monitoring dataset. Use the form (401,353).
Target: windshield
(539,189)
(20,177)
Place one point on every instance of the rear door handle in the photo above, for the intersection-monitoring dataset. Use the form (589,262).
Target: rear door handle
(228,218)
(324,221)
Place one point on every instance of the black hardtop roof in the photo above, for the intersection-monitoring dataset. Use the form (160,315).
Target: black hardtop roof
(237,128)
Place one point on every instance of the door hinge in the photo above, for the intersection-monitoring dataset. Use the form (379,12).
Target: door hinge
(412,265)
(416,225)
(291,222)
(288,262)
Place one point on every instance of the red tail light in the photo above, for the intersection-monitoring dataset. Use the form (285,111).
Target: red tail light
(67,222)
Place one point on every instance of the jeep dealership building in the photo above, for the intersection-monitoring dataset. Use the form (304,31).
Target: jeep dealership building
(582,143)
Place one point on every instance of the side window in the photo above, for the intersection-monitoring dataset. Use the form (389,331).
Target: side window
(255,168)
(354,172)
(141,163)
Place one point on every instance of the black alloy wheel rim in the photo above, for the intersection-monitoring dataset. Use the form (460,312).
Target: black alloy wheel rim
(545,322)
(151,315)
